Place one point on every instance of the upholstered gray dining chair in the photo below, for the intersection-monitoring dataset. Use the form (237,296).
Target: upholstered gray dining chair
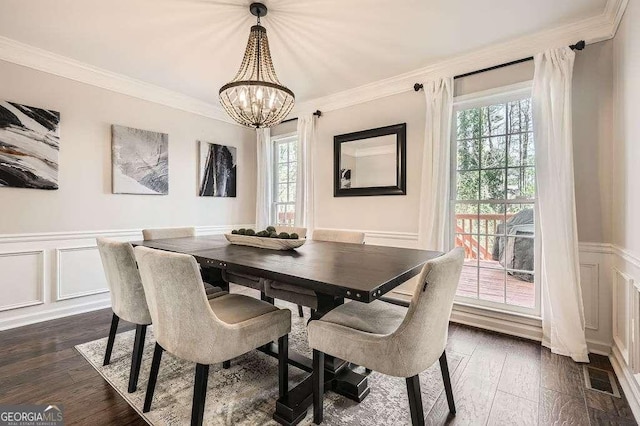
(390,339)
(189,326)
(165,233)
(127,299)
(302,296)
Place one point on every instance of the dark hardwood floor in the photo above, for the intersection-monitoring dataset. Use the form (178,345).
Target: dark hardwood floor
(501,380)
(39,365)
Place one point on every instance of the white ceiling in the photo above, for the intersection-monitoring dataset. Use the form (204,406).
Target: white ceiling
(319,47)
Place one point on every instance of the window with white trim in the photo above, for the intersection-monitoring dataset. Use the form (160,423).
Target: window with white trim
(494,200)
(285,161)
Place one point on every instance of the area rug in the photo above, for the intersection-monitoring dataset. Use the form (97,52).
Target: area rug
(245,394)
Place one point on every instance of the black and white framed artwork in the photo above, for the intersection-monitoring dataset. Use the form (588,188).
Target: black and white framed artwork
(217,170)
(140,161)
(29,146)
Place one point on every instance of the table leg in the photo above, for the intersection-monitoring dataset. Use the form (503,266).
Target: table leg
(338,377)
(213,276)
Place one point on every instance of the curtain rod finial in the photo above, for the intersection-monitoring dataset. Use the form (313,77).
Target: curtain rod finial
(417,87)
(318,113)
(579,45)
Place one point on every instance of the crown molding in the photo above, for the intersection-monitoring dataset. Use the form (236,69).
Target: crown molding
(592,30)
(42,60)
(614,11)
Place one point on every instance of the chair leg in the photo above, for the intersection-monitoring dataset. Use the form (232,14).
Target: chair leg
(415,400)
(226,364)
(318,386)
(153,378)
(283,365)
(111,339)
(136,357)
(199,394)
(266,298)
(444,366)
(300,311)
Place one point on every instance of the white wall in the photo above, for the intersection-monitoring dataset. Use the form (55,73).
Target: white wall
(626,205)
(84,200)
(394,219)
(592,141)
(626,232)
(48,258)
(386,213)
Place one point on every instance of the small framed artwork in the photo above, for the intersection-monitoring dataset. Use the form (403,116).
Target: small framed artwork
(29,146)
(371,162)
(140,161)
(218,174)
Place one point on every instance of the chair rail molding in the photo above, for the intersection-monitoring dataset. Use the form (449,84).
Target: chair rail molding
(592,30)
(54,274)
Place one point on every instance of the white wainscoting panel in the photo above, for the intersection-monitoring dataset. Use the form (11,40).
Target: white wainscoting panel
(622,291)
(79,272)
(50,275)
(21,279)
(590,283)
(625,356)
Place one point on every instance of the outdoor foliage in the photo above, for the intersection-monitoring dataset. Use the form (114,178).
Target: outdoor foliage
(495,156)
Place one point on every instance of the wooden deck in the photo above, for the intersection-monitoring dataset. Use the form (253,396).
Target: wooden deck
(492,285)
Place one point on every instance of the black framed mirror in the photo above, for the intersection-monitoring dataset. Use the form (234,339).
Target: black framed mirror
(370,162)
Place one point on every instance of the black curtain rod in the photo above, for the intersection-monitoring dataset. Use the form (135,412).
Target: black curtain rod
(318,113)
(578,46)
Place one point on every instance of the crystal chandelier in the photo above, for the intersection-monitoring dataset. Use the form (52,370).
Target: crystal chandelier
(255,97)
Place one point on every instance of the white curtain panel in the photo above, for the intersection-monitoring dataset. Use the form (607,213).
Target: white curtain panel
(264,188)
(304,184)
(559,276)
(436,165)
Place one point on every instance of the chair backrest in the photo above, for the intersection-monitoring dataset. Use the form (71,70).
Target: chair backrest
(424,330)
(162,233)
(302,232)
(183,322)
(127,294)
(337,236)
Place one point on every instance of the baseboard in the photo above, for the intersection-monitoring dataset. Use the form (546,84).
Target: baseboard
(513,325)
(53,312)
(629,384)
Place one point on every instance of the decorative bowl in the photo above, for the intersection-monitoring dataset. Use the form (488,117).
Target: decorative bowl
(264,242)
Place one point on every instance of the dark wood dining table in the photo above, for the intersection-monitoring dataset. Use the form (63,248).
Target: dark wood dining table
(334,271)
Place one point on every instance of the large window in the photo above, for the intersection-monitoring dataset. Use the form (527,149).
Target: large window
(285,159)
(493,201)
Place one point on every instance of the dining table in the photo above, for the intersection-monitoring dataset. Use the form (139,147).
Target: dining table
(360,273)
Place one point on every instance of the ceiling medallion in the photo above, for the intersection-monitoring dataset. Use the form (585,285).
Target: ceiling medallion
(255,97)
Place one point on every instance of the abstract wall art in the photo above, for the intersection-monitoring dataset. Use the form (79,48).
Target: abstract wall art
(140,161)
(217,170)
(29,146)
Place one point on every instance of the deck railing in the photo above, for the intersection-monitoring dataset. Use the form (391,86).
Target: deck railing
(468,226)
